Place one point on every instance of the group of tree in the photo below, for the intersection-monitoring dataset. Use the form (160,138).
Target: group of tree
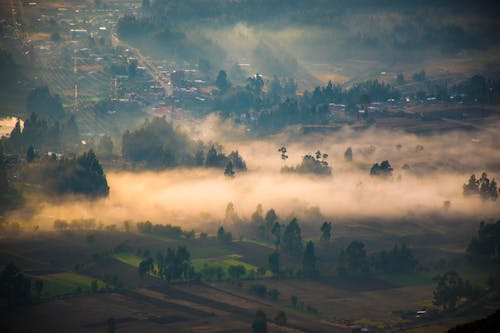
(354,260)
(174,265)
(383,169)
(42,135)
(9,69)
(82,175)
(9,195)
(486,245)
(17,288)
(159,145)
(167,230)
(451,288)
(482,187)
(399,260)
(224,236)
(311,165)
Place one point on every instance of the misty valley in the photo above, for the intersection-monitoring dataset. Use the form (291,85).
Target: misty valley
(249,166)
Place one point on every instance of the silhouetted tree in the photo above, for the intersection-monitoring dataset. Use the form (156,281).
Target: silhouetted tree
(228,171)
(292,239)
(259,324)
(348,154)
(309,261)
(222,82)
(274,263)
(30,154)
(384,169)
(449,289)
(326,231)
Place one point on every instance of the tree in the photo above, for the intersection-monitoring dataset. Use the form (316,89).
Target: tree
(382,170)
(276,231)
(309,261)
(354,257)
(236,272)
(273,261)
(222,82)
(292,239)
(38,288)
(145,266)
(487,243)
(111,324)
(105,146)
(294,300)
(259,324)
(472,187)
(30,154)
(228,171)
(326,231)
(449,289)
(14,286)
(280,318)
(223,236)
(348,154)
(274,294)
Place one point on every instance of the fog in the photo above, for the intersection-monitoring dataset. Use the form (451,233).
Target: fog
(194,198)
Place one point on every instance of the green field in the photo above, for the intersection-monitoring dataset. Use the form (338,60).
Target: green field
(128,258)
(66,283)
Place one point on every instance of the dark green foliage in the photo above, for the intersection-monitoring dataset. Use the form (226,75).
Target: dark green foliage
(280,318)
(175,265)
(236,272)
(223,236)
(274,294)
(145,266)
(212,273)
(157,144)
(309,261)
(292,238)
(276,232)
(30,154)
(487,243)
(215,159)
(237,160)
(259,324)
(483,187)
(399,260)
(449,289)
(258,289)
(354,259)
(9,196)
(273,261)
(311,165)
(105,147)
(382,170)
(8,68)
(228,171)
(222,82)
(48,106)
(14,286)
(167,230)
(326,231)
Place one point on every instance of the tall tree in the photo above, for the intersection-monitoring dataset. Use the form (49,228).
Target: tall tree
(326,231)
(259,324)
(274,263)
(292,238)
(309,261)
